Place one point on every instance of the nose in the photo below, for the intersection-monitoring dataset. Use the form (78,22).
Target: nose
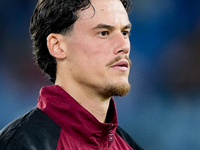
(122,44)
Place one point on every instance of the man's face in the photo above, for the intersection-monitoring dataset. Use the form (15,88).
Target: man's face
(98,49)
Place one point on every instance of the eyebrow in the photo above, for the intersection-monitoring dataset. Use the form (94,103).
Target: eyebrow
(109,27)
(103,26)
(129,26)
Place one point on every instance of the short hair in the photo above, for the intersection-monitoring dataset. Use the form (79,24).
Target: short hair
(55,16)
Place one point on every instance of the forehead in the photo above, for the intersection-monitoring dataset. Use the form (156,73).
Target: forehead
(108,11)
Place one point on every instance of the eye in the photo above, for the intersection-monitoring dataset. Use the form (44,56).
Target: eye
(126,33)
(104,33)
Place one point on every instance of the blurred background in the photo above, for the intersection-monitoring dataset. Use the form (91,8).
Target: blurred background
(162,111)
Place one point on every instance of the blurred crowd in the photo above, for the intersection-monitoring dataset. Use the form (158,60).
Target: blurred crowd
(162,111)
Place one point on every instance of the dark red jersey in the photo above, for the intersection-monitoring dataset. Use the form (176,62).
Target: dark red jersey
(60,123)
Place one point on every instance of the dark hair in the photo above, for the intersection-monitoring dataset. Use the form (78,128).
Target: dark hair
(55,16)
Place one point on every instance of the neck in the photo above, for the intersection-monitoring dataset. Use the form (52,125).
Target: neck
(95,104)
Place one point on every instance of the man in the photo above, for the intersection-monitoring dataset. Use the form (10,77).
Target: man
(84,47)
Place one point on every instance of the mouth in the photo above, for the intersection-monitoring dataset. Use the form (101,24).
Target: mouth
(121,65)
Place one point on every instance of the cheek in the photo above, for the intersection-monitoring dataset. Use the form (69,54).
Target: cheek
(91,50)
(95,52)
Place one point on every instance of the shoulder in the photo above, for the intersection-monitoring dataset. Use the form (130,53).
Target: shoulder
(128,138)
(31,129)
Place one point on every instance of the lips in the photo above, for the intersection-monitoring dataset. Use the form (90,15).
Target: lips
(121,65)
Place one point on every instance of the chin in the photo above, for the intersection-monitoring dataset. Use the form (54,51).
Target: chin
(117,89)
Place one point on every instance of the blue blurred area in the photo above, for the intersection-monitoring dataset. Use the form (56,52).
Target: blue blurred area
(162,111)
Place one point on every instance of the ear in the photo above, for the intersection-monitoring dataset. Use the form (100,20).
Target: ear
(54,45)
